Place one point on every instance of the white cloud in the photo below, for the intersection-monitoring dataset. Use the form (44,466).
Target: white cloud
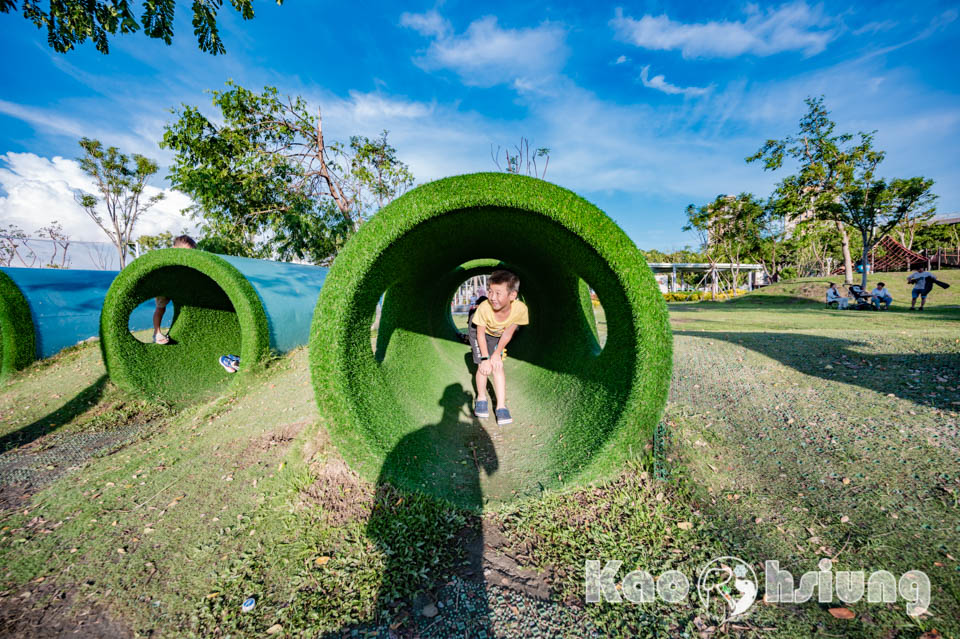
(875,27)
(659,83)
(487,54)
(39,191)
(430,24)
(622,59)
(791,27)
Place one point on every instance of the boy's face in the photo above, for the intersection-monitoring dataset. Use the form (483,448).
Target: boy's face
(499,295)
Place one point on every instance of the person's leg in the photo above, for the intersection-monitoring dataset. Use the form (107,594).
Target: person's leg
(158,312)
(914,294)
(481,380)
(876,302)
(842,303)
(500,388)
(923,300)
(481,387)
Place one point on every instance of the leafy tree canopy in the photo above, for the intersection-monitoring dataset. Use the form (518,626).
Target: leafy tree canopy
(73,22)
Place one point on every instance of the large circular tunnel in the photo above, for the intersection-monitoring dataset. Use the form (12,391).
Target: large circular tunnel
(221,305)
(403,413)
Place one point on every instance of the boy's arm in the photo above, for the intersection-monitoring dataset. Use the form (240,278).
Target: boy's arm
(504,339)
(482,339)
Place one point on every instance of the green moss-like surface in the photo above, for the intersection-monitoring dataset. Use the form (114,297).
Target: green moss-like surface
(216,311)
(403,415)
(17,339)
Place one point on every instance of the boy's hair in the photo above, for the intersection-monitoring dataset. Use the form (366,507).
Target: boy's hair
(505,277)
(880,284)
(184,241)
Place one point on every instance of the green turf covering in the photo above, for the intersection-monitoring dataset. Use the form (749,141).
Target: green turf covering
(221,305)
(17,339)
(403,414)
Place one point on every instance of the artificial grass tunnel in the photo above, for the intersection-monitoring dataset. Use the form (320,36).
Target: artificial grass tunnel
(43,311)
(221,305)
(403,413)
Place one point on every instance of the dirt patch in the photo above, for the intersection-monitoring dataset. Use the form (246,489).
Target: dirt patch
(281,437)
(340,492)
(47,610)
(502,564)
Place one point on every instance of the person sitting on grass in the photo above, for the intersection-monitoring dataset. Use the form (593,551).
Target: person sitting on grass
(492,326)
(880,295)
(833,296)
(182,241)
(922,282)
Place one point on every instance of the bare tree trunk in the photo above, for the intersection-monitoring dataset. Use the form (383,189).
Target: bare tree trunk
(847,261)
(867,245)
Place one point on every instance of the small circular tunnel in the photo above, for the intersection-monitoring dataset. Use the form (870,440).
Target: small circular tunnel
(215,311)
(404,413)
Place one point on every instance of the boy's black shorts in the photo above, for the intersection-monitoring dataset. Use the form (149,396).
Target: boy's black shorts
(474,342)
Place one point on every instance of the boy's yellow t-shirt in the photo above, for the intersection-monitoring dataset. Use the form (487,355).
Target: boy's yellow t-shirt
(492,326)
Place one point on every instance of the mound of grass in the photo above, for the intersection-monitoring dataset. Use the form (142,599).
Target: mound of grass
(221,305)
(400,415)
(17,340)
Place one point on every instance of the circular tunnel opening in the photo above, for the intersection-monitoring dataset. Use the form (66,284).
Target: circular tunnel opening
(203,326)
(404,413)
(209,311)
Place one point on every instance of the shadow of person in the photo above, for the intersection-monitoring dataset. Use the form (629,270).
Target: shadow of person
(426,542)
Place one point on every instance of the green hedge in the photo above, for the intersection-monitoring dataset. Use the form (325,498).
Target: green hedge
(215,311)
(402,415)
(17,339)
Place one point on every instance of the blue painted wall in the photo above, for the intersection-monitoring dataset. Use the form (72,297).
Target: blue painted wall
(65,305)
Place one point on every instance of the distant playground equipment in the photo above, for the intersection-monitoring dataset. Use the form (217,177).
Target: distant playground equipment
(221,305)
(890,255)
(44,310)
(595,407)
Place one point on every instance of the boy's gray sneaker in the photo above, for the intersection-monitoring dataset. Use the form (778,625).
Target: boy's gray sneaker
(503,417)
(481,409)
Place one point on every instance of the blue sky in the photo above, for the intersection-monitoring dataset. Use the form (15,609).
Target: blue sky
(646,107)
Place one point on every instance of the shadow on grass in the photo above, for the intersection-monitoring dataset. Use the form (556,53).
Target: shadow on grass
(66,413)
(883,373)
(422,537)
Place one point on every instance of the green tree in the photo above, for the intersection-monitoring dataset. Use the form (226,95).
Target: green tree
(264,182)
(731,229)
(154,242)
(916,219)
(823,156)
(522,161)
(73,22)
(874,207)
(121,181)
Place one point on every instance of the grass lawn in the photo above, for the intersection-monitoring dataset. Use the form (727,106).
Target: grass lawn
(793,433)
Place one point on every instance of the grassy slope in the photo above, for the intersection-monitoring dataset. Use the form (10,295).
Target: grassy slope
(773,404)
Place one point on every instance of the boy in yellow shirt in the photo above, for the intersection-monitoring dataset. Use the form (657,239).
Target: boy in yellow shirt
(492,326)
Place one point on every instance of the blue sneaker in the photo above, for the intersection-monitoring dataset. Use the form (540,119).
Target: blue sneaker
(481,409)
(228,364)
(503,417)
